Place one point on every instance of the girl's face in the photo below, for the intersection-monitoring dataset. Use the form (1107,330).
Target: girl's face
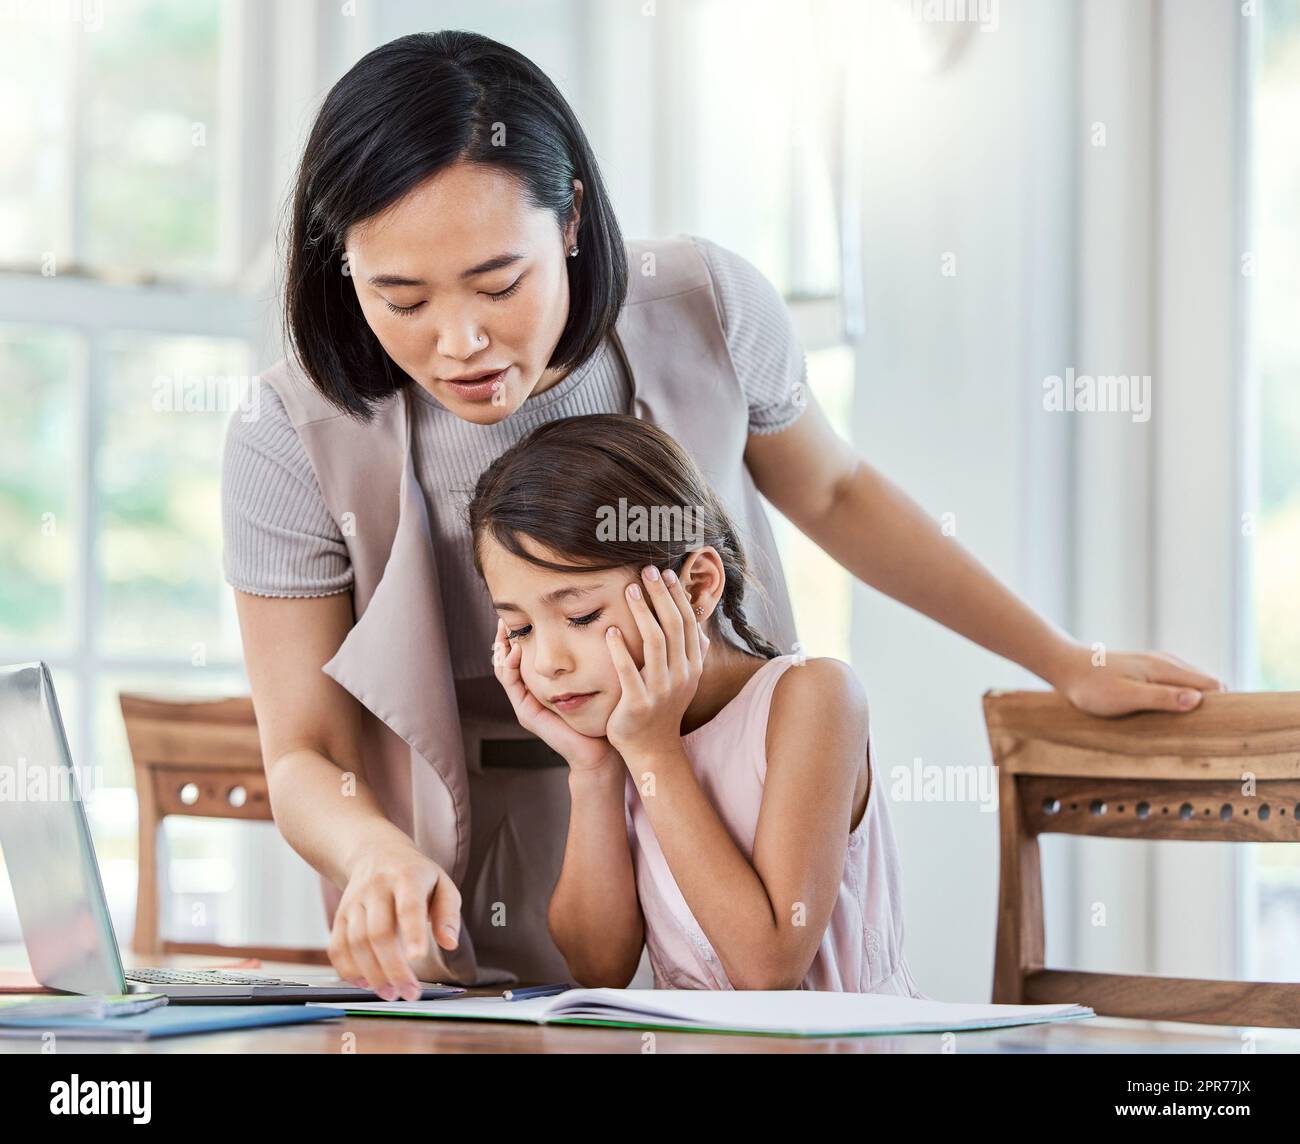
(559,619)
(463,276)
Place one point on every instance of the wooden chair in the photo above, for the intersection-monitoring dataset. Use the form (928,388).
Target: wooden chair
(1151,775)
(195,757)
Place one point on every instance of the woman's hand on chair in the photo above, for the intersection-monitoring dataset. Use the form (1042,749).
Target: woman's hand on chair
(1112,683)
(395,894)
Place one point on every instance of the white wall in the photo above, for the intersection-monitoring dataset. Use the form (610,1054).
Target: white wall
(976,160)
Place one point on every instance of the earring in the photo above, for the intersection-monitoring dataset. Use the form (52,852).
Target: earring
(573,252)
(699,611)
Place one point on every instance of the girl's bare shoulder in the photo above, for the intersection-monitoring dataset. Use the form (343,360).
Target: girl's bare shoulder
(821,690)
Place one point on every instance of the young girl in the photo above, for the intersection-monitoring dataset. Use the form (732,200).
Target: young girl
(724,812)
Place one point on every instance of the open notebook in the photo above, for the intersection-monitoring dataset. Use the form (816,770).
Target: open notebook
(784,1012)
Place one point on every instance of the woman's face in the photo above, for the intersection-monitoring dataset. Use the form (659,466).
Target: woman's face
(420,276)
(559,619)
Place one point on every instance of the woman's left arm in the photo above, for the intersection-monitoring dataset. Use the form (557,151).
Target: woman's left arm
(884,538)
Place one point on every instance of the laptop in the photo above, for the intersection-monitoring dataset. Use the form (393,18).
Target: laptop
(62,908)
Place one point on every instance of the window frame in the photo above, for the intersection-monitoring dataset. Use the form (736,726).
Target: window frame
(93,310)
(1200,906)
(278,61)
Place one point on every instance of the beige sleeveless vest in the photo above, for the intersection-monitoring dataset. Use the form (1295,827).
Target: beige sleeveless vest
(395,659)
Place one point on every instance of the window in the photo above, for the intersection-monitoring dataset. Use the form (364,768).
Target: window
(112,168)
(1273,268)
(126,336)
(821,591)
(779,105)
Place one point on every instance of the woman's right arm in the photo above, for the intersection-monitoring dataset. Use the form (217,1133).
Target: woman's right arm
(595,916)
(310,732)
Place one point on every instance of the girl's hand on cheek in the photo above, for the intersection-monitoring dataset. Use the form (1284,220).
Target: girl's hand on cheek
(648,717)
(580,751)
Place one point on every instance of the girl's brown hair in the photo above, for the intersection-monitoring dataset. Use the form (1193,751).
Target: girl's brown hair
(560,482)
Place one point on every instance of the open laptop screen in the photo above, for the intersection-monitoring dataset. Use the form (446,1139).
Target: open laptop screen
(47,845)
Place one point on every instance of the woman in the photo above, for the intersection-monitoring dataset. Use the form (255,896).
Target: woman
(456,276)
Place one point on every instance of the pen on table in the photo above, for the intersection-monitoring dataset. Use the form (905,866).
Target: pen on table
(534,991)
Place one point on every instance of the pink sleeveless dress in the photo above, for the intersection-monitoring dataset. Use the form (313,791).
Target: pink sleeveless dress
(862,949)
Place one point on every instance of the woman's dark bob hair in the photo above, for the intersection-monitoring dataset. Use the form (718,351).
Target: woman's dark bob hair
(402,113)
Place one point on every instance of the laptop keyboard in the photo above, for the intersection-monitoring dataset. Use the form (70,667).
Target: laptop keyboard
(203,977)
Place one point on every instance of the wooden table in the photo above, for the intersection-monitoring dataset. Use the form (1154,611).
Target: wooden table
(429,1035)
